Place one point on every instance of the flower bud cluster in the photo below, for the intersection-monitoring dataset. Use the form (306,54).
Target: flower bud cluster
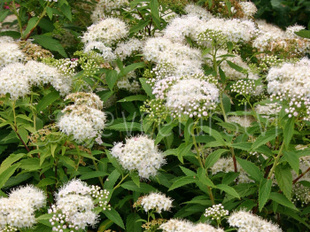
(216,212)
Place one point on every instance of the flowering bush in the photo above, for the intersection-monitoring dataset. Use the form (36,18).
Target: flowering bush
(152,115)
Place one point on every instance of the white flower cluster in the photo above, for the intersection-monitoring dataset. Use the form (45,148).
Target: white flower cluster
(108,31)
(126,49)
(105,52)
(226,165)
(247,222)
(249,9)
(244,121)
(87,99)
(291,82)
(176,225)
(18,210)
(107,7)
(181,27)
(12,81)
(9,52)
(200,20)
(235,30)
(156,201)
(75,206)
(83,120)
(268,109)
(184,59)
(272,38)
(139,153)
(17,78)
(40,74)
(192,97)
(216,212)
(195,10)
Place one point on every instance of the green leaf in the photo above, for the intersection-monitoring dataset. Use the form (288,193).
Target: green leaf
(288,131)
(3,14)
(135,178)
(234,66)
(13,34)
(47,100)
(140,26)
(111,77)
(105,225)
(114,216)
(229,190)
(10,160)
(264,138)
(23,134)
(50,44)
(32,164)
(66,10)
(111,180)
(130,68)
(181,181)
(126,126)
(5,175)
(282,200)
(93,174)
(30,25)
(132,223)
(133,98)
(49,12)
(293,159)
(226,103)
(245,146)
(215,134)
(155,12)
(214,156)
(183,150)
(146,87)
(284,178)
(202,177)
(303,33)
(264,192)
(144,188)
(45,182)
(163,132)
(251,169)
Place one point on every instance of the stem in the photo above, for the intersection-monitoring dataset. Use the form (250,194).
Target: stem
(301,175)
(234,159)
(121,181)
(16,129)
(100,178)
(200,162)
(195,144)
(222,107)
(34,27)
(18,18)
(275,163)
